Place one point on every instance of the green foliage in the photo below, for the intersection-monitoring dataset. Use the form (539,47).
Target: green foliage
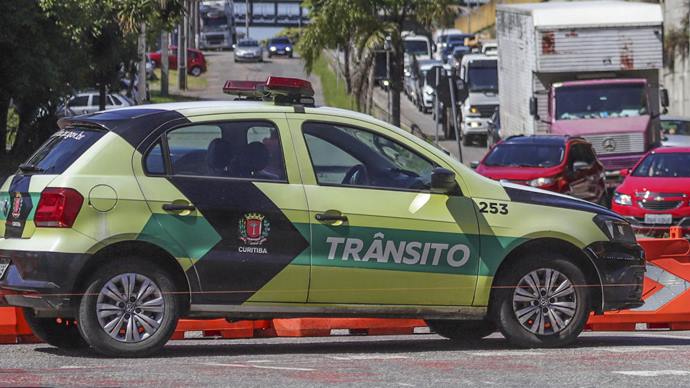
(677,42)
(333,90)
(292,33)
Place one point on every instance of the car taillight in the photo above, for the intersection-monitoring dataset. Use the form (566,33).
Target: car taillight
(58,208)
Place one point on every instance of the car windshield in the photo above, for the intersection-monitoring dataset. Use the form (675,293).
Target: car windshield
(675,127)
(61,150)
(676,165)
(215,21)
(417,47)
(525,155)
(482,76)
(600,101)
(247,43)
(280,41)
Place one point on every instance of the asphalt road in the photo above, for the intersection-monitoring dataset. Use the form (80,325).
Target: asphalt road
(597,359)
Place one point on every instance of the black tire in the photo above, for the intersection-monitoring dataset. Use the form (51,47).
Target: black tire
(463,332)
(195,71)
(505,316)
(63,333)
(96,335)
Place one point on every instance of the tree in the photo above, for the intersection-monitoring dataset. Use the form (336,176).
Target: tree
(365,24)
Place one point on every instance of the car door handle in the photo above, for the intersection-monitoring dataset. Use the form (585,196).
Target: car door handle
(174,207)
(329,217)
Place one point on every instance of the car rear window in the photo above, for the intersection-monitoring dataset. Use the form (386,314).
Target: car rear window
(525,155)
(61,150)
(676,165)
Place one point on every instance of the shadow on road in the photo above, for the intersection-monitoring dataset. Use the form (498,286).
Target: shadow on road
(357,345)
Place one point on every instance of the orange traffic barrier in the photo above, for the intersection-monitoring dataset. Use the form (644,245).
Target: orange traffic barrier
(666,291)
(321,327)
(221,328)
(13,327)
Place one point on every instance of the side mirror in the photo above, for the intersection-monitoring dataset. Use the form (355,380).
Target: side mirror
(474,164)
(580,166)
(533,106)
(443,181)
(624,172)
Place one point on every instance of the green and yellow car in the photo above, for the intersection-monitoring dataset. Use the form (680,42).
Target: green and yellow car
(125,221)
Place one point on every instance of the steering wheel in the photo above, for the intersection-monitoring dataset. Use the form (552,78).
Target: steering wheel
(356,175)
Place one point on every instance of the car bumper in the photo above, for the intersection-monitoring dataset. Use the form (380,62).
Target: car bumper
(621,269)
(280,52)
(475,125)
(640,227)
(243,58)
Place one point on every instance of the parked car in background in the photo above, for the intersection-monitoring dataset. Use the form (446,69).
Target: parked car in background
(456,56)
(424,92)
(280,46)
(490,48)
(495,128)
(89,102)
(249,50)
(656,192)
(563,164)
(675,131)
(196,61)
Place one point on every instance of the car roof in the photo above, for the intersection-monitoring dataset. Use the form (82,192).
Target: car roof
(671,150)
(537,139)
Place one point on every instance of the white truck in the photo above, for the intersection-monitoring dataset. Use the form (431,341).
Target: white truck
(217,29)
(478,96)
(583,68)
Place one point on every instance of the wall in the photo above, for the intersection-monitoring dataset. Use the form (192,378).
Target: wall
(483,17)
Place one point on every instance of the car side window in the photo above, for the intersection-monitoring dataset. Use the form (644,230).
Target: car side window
(236,149)
(348,156)
(154,163)
(79,101)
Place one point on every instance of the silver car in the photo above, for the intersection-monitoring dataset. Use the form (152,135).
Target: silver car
(249,50)
(89,102)
(675,131)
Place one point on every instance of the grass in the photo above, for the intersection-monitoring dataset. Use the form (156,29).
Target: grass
(333,89)
(193,83)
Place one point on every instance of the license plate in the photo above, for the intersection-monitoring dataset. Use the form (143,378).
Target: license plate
(664,219)
(4,264)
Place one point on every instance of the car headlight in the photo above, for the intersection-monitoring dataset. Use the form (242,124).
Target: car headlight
(616,229)
(288,48)
(622,199)
(543,181)
(474,109)
(273,48)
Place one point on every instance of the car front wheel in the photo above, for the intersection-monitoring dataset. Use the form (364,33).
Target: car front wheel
(130,308)
(195,71)
(543,301)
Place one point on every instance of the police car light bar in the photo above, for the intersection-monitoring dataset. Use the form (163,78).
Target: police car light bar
(282,90)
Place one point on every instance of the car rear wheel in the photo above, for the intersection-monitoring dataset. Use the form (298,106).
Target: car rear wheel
(543,301)
(61,333)
(130,308)
(465,332)
(195,71)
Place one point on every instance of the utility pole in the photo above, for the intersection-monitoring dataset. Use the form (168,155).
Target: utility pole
(141,78)
(165,89)
(246,19)
(182,51)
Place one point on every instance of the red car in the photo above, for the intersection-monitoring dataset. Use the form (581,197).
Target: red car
(196,62)
(656,192)
(562,164)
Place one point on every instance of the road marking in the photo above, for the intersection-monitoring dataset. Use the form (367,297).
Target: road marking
(259,361)
(367,357)
(654,373)
(633,349)
(260,367)
(508,353)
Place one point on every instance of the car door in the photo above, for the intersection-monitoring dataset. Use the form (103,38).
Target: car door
(229,195)
(378,235)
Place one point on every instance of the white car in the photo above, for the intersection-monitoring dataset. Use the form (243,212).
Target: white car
(89,102)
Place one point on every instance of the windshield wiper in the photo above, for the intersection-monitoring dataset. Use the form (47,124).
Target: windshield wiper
(29,167)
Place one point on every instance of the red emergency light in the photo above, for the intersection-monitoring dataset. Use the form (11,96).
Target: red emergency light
(282,90)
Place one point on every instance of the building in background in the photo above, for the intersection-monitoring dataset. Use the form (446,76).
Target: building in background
(676,74)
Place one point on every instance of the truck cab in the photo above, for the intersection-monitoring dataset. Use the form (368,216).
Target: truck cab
(612,114)
(478,95)
(217,30)
(417,45)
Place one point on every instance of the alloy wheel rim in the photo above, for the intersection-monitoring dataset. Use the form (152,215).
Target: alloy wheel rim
(130,307)
(544,302)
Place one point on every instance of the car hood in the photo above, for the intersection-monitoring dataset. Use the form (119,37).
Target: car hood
(635,184)
(280,46)
(525,194)
(600,126)
(248,50)
(516,173)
